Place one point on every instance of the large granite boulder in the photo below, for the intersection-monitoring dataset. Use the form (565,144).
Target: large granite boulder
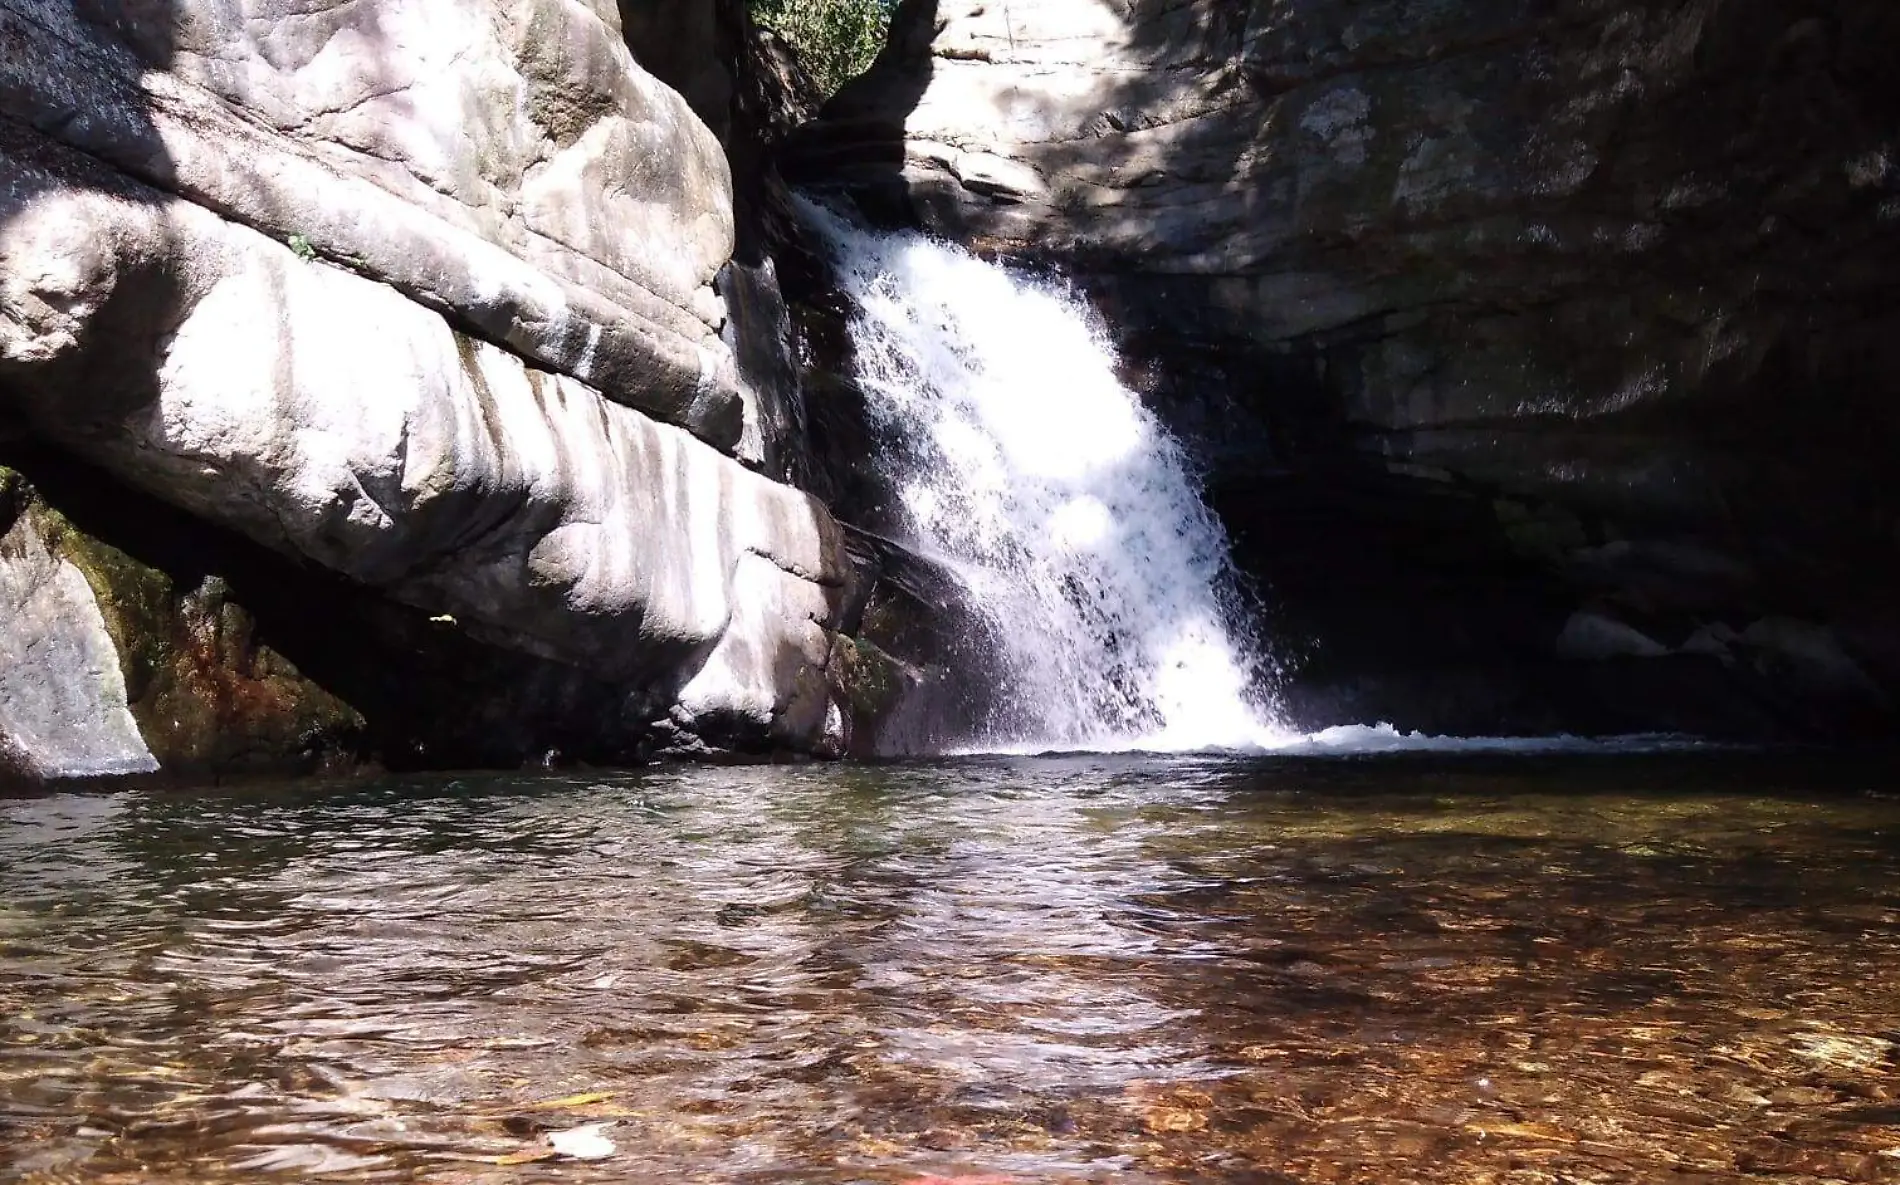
(1483,313)
(504,163)
(747,85)
(421,295)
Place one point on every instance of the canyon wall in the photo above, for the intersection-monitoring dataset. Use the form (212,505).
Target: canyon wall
(1542,356)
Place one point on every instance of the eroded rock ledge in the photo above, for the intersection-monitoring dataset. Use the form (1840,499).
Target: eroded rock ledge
(404,292)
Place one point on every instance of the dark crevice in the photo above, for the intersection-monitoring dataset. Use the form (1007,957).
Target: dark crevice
(430,695)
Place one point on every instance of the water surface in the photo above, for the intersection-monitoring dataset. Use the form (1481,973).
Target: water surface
(1424,968)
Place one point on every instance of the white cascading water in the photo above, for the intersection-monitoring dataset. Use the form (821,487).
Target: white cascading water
(1025,466)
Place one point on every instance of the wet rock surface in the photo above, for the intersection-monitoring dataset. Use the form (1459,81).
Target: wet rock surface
(175,675)
(63,709)
(237,662)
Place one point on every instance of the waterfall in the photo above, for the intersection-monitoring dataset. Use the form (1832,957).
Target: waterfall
(1017,459)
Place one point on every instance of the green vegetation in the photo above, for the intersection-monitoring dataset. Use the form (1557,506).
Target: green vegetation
(836,40)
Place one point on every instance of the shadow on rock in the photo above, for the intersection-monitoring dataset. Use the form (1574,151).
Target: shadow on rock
(1479,316)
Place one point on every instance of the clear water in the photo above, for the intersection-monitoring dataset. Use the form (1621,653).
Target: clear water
(1402,968)
(1020,461)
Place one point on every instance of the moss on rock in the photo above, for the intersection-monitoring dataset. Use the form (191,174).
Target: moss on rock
(871,689)
(208,696)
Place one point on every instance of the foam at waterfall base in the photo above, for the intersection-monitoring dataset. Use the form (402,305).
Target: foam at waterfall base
(1383,738)
(1352,740)
(1018,461)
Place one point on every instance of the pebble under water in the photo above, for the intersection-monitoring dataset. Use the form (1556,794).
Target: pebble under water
(1404,968)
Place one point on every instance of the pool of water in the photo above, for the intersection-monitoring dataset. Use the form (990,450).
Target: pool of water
(1408,968)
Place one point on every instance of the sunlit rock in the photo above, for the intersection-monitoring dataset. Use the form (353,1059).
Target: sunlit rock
(504,161)
(63,709)
(422,294)
(328,417)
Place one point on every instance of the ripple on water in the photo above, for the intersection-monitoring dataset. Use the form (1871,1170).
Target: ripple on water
(1069,969)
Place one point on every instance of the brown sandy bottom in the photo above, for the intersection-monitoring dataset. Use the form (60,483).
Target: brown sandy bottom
(1680,968)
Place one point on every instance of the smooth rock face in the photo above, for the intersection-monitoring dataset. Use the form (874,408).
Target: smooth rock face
(1592,636)
(502,161)
(63,711)
(403,290)
(1625,272)
(329,417)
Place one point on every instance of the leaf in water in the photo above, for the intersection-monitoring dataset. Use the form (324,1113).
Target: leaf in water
(526,1156)
(583,1143)
(573,1100)
(531,1156)
(1526,1131)
(1173,1119)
